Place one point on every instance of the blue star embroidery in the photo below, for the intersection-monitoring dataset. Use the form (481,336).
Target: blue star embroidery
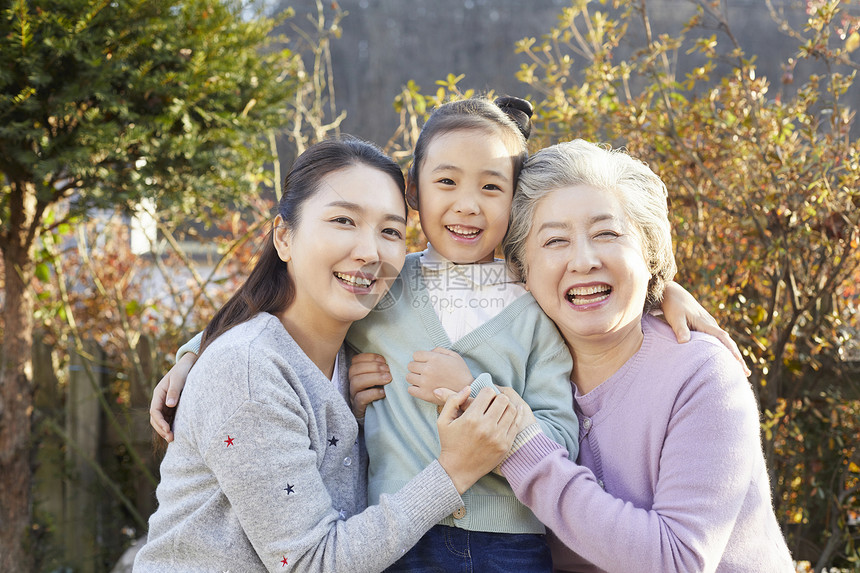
(289,489)
(333,441)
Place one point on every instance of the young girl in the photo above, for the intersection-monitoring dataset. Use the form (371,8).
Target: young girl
(266,471)
(453,300)
(456,298)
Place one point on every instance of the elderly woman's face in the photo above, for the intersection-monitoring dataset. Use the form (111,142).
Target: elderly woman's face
(585,264)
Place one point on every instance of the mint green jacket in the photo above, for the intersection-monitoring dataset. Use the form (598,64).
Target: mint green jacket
(520,348)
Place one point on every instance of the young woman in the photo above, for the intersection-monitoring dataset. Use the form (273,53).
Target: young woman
(266,470)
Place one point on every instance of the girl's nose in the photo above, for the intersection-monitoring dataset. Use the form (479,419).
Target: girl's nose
(466,203)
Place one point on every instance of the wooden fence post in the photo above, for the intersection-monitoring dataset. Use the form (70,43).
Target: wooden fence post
(83,427)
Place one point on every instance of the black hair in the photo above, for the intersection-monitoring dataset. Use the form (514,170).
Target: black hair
(269,287)
(512,115)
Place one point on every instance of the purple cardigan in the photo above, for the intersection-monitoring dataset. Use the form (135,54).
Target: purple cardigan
(671,473)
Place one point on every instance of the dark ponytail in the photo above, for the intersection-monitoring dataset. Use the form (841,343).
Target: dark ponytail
(519,110)
(269,287)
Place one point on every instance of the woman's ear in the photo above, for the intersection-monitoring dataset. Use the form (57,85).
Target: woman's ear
(411,192)
(281,238)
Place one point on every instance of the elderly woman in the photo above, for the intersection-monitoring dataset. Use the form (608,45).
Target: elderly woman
(671,474)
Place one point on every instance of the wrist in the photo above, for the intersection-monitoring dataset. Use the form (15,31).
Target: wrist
(461,477)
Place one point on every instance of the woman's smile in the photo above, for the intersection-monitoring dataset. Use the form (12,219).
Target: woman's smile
(588,296)
(586,267)
(356,282)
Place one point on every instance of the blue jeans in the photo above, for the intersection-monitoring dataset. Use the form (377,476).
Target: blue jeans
(446,549)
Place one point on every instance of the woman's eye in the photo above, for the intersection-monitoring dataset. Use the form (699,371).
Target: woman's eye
(343,221)
(554,241)
(393,232)
(608,234)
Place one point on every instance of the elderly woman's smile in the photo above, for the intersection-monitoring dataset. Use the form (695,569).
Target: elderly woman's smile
(585,264)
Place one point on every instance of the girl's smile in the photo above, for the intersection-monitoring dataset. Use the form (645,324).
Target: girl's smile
(465,187)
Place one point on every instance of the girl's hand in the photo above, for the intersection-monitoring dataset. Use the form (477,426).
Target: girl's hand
(476,440)
(437,368)
(165,396)
(684,312)
(368,373)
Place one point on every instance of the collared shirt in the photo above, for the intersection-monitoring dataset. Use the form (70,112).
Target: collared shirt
(466,296)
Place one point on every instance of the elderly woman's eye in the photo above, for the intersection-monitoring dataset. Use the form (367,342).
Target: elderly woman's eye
(555,241)
(610,234)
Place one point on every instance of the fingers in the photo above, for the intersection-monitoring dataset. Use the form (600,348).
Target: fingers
(443,393)
(416,367)
(156,416)
(360,382)
(361,400)
(367,358)
(367,371)
(450,411)
(682,331)
(424,394)
(512,395)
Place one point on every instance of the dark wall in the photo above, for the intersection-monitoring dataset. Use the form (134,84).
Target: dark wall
(385,43)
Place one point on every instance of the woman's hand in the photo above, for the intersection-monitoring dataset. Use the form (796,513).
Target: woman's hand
(683,312)
(476,440)
(527,417)
(165,396)
(437,368)
(368,373)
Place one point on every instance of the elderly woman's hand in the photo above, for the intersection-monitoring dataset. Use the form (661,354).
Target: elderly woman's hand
(528,417)
(683,312)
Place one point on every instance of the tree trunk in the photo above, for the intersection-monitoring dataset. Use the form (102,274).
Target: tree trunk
(16,388)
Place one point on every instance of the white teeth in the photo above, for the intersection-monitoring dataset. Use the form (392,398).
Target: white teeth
(584,291)
(461,231)
(602,291)
(353,280)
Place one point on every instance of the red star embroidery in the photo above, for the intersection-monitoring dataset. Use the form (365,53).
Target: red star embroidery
(229,441)
(284,562)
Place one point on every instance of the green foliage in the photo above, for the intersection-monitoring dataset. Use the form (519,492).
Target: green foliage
(112,101)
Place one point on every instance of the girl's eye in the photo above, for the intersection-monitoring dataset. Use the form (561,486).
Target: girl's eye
(393,232)
(445,181)
(492,187)
(343,221)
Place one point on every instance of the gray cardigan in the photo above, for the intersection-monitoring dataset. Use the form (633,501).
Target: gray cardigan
(267,470)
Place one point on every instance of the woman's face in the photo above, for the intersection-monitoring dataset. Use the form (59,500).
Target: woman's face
(585,265)
(348,248)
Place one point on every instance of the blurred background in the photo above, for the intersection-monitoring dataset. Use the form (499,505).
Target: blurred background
(142,148)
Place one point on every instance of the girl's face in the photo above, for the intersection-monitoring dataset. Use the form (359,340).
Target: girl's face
(348,247)
(585,265)
(465,189)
